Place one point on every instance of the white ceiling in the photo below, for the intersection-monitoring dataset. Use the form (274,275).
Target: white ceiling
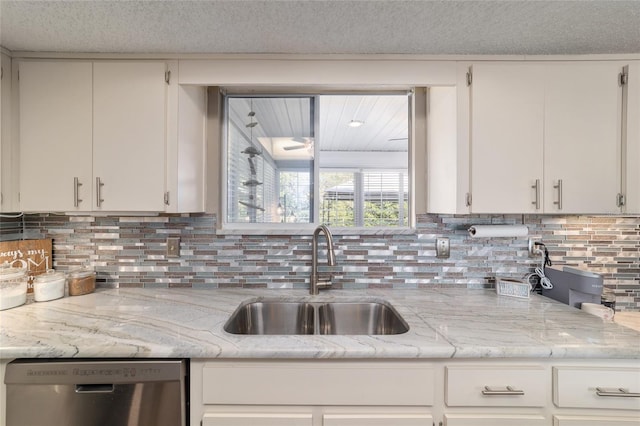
(322,27)
(284,120)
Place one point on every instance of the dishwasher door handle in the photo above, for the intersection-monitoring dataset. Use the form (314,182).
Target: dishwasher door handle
(101,388)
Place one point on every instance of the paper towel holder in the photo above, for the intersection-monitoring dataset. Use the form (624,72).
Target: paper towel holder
(498,231)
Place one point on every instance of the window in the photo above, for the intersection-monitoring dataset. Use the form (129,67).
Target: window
(364,198)
(338,159)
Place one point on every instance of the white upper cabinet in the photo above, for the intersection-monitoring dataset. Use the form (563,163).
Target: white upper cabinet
(546,137)
(582,138)
(55,135)
(8,168)
(631,148)
(129,100)
(507,124)
(185,174)
(92,136)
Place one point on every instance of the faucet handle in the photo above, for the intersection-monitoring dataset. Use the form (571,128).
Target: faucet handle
(324,282)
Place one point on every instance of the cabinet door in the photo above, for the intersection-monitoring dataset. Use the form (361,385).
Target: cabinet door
(8,170)
(334,383)
(55,135)
(595,421)
(377,420)
(507,104)
(129,135)
(257,419)
(632,146)
(3,139)
(494,420)
(582,138)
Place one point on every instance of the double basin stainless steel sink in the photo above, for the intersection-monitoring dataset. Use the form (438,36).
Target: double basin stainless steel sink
(304,318)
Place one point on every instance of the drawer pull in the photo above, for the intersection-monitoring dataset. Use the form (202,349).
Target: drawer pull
(619,392)
(501,392)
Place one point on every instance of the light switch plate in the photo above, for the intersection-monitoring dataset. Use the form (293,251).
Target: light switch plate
(173,247)
(442,248)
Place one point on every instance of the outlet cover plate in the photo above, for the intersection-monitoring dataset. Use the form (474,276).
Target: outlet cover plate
(442,248)
(173,247)
(533,250)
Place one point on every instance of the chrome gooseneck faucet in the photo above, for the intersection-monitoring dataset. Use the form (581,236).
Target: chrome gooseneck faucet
(316,282)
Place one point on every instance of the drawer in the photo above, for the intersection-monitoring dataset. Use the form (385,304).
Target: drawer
(486,386)
(595,421)
(257,419)
(584,387)
(377,420)
(318,383)
(494,420)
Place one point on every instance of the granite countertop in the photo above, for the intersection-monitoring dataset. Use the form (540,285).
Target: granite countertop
(444,323)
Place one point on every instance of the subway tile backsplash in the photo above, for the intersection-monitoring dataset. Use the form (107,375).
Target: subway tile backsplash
(131,252)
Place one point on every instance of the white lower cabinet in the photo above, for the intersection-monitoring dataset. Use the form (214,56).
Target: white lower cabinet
(605,388)
(257,419)
(283,418)
(594,388)
(496,386)
(377,420)
(313,393)
(494,420)
(318,383)
(481,392)
(505,388)
(595,421)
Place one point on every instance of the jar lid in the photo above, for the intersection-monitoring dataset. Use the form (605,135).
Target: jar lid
(10,273)
(50,275)
(81,273)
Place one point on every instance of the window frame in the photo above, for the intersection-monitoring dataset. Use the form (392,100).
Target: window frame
(286,228)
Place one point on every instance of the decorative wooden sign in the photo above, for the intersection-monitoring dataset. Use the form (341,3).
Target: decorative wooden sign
(35,255)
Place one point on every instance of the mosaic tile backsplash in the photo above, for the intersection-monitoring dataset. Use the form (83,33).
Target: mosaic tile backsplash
(131,252)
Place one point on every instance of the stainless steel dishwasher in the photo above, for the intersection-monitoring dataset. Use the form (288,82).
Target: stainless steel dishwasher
(97,392)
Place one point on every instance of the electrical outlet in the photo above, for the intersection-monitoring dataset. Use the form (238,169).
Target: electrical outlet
(534,251)
(173,247)
(442,248)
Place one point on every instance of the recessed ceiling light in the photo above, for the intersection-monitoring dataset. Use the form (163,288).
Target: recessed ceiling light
(355,123)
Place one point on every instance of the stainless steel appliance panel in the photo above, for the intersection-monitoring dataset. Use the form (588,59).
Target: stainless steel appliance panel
(96,393)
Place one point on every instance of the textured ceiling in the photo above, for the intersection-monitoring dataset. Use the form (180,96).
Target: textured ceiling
(322,27)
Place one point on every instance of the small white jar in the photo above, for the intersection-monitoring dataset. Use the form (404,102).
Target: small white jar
(48,286)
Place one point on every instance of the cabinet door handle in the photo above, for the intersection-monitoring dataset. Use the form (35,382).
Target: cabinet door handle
(99,186)
(509,390)
(76,192)
(619,392)
(559,188)
(536,186)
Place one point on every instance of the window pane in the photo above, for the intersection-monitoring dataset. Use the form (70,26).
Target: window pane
(267,138)
(385,199)
(295,197)
(337,198)
(364,158)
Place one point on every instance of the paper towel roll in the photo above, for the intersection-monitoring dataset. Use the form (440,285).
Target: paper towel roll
(598,310)
(489,231)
